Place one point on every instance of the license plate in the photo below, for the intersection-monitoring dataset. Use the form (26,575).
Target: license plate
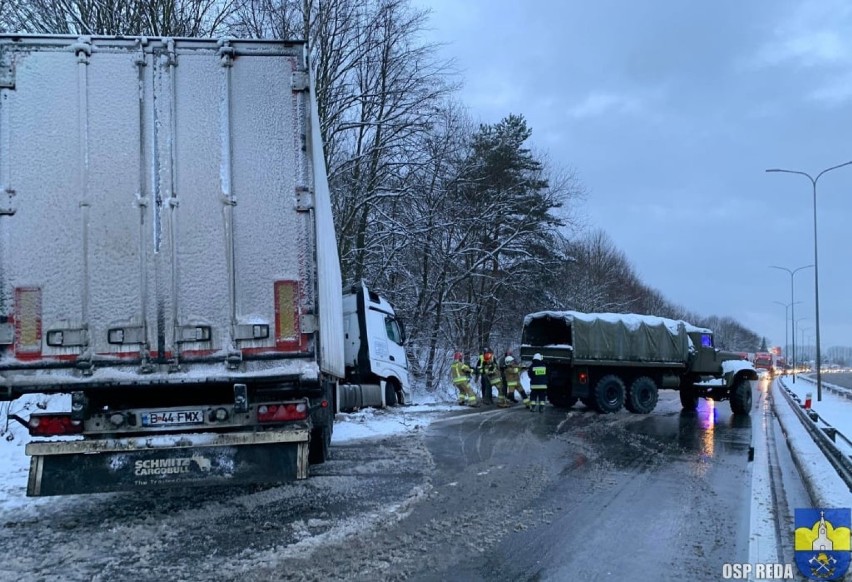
(172,417)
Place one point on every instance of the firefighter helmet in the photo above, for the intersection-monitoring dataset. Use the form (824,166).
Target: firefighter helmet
(458,356)
(537,358)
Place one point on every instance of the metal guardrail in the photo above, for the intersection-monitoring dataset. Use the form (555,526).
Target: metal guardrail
(825,438)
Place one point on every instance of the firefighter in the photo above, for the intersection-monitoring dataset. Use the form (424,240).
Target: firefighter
(460,373)
(503,362)
(489,375)
(512,374)
(538,383)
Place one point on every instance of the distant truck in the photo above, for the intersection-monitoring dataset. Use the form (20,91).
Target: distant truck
(764,361)
(612,360)
(168,259)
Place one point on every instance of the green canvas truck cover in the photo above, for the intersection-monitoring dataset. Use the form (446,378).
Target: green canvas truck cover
(611,336)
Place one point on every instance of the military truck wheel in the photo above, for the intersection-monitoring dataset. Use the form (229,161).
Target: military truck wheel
(558,398)
(608,395)
(319,447)
(642,396)
(688,398)
(741,397)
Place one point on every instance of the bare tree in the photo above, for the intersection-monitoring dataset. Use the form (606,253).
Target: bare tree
(117,17)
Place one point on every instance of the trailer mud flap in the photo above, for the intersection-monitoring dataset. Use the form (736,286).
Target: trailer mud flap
(57,471)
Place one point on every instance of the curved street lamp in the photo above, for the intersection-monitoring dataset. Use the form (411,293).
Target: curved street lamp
(792,304)
(816,263)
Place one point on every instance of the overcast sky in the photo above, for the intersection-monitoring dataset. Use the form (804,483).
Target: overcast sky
(670,111)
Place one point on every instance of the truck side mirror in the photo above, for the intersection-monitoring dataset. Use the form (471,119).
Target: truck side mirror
(401,333)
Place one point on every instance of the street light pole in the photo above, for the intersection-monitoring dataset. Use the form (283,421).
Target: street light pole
(816,264)
(792,305)
(787,306)
(802,332)
(794,325)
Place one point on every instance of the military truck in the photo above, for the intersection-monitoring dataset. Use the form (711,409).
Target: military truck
(611,360)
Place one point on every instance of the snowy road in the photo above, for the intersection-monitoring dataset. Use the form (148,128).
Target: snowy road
(483,494)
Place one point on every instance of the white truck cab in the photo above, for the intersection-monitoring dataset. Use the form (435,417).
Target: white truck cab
(376,365)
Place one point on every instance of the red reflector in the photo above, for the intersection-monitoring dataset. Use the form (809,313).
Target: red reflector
(53,425)
(282,412)
(583,377)
(324,403)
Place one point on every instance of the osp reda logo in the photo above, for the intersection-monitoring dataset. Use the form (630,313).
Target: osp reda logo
(823,542)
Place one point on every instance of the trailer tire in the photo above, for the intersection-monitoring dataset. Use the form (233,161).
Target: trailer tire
(608,395)
(319,447)
(741,396)
(688,397)
(642,396)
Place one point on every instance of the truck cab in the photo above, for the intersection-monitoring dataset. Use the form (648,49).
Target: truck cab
(374,352)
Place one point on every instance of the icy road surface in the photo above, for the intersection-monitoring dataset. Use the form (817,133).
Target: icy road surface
(483,494)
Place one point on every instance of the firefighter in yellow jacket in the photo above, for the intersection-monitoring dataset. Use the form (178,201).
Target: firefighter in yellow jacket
(460,373)
(512,371)
(489,371)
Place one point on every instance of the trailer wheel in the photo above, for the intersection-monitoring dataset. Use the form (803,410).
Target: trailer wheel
(642,396)
(608,395)
(319,447)
(688,398)
(741,397)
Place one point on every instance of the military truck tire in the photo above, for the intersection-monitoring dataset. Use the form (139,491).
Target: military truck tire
(558,398)
(608,395)
(688,398)
(741,397)
(642,396)
(319,447)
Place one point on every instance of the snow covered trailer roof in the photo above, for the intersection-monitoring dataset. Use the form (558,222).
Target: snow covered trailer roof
(163,207)
(608,336)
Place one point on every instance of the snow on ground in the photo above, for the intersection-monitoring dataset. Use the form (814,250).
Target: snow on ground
(825,485)
(367,423)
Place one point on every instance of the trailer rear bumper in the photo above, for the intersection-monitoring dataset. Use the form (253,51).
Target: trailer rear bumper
(100,466)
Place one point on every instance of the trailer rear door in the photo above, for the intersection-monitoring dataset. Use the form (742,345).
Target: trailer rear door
(156,201)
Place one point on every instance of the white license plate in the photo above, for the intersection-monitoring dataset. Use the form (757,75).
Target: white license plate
(172,417)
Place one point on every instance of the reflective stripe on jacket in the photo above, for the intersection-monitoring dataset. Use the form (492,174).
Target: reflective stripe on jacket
(538,377)
(459,371)
(513,376)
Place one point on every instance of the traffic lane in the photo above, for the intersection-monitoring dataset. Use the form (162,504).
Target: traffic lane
(843,379)
(661,496)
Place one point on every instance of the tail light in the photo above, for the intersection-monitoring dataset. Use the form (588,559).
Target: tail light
(583,377)
(282,412)
(287,312)
(53,425)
